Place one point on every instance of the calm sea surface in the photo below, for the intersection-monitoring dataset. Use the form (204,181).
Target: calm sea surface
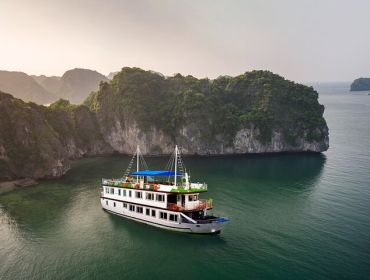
(292,216)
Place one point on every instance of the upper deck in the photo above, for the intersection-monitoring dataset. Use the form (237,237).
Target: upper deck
(168,187)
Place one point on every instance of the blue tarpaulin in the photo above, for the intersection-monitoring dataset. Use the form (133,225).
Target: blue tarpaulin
(155,173)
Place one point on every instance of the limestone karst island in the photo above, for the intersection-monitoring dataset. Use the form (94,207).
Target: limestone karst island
(255,112)
(361,84)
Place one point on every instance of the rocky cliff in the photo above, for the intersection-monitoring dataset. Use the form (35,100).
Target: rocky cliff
(256,112)
(361,84)
(38,142)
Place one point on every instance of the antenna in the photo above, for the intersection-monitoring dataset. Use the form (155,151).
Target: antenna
(137,162)
(175,165)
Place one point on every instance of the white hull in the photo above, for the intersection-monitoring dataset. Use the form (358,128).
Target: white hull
(182,225)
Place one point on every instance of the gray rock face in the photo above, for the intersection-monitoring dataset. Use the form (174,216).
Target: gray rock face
(124,138)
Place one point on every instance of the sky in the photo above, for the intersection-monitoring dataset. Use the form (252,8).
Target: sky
(302,40)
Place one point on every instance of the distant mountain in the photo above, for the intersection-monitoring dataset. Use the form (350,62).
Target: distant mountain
(23,86)
(361,84)
(78,83)
(75,85)
(51,84)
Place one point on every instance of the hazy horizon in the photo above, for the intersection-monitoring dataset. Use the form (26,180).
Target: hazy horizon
(309,41)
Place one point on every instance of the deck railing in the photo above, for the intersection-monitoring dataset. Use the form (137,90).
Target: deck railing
(194,187)
(203,204)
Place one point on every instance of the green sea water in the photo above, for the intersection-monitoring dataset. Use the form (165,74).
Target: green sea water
(293,216)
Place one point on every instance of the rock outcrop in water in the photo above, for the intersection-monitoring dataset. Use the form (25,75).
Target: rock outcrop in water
(361,84)
(256,112)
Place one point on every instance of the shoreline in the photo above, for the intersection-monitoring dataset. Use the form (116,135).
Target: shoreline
(7,186)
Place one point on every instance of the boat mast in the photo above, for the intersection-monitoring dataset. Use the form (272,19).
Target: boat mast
(175,165)
(137,163)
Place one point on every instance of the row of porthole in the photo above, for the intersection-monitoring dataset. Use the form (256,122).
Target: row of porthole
(148,211)
(138,194)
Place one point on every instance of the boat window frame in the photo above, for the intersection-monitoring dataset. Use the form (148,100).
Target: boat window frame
(139,209)
(149,196)
(163,215)
(158,196)
(139,194)
(175,217)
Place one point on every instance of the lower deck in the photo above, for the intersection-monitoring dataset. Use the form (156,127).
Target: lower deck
(163,218)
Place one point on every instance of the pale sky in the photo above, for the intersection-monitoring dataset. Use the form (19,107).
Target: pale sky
(302,40)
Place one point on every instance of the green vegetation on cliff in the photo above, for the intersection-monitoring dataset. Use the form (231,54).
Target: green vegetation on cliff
(217,107)
(38,141)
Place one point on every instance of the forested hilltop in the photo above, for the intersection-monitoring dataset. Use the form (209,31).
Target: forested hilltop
(256,112)
(361,84)
(210,116)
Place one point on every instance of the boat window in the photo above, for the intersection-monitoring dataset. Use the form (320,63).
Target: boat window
(114,204)
(173,217)
(124,192)
(147,211)
(153,213)
(124,205)
(193,197)
(163,215)
(106,190)
(106,202)
(160,197)
(119,192)
(131,207)
(139,194)
(129,193)
(111,190)
(139,209)
(150,196)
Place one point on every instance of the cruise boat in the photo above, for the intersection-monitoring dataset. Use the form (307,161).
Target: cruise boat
(162,198)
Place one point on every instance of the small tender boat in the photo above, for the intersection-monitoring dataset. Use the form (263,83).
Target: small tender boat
(161,198)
